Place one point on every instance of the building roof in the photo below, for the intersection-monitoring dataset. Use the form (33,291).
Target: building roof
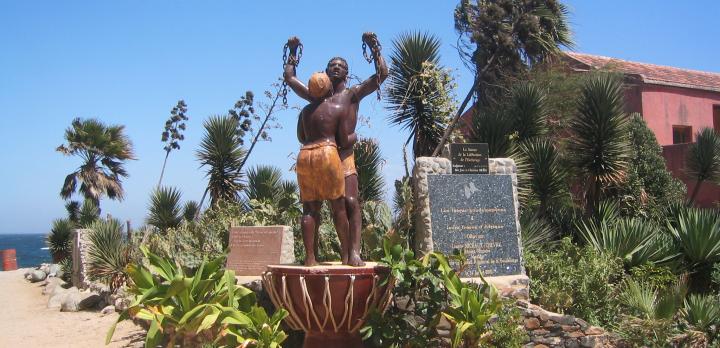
(651,73)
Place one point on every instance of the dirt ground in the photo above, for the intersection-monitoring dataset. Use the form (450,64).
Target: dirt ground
(26,322)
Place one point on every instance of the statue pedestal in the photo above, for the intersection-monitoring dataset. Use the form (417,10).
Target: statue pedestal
(329,302)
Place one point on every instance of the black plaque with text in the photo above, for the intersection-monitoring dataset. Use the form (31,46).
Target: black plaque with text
(476,213)
(469,158)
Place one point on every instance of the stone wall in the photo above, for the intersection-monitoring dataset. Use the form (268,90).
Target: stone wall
(547,329)
(79,258)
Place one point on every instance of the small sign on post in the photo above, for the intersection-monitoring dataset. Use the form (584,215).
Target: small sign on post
(469,158)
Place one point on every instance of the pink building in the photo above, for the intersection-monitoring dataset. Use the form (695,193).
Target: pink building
(675,103)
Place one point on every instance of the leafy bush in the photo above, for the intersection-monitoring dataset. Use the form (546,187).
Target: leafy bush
(59,240)
(108,253)
(194,310)
(506,329)
(424,291)
(657,276)
(576,280)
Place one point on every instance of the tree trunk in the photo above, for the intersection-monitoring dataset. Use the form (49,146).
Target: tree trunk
(202,200)
(695,192)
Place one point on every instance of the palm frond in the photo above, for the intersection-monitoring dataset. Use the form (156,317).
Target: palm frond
(369,163)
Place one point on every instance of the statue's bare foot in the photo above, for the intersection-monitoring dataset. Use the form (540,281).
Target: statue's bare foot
(355,260)
(310,261)
(344,258)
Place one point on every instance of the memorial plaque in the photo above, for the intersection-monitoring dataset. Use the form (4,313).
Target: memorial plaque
(476,213)
(469,158)
(252,248)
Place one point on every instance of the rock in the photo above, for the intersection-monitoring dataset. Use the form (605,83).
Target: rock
(572,344)
(589,342)
(37,275)
(108,310)
(541,346)
(45,267)
(54,270)
(52,284)
(594,330)
(121,304)
(89,300)
(532,323)
(57,296)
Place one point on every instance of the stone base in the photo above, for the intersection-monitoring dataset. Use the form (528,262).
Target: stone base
(510,286)
(329,302)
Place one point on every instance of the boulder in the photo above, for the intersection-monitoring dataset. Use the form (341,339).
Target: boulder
(52,284)
(37,275)
(54,270)
(108,310)
(77,301)
(89,300)
(58,295)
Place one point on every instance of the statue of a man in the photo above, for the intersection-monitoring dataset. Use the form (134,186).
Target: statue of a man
(333,115)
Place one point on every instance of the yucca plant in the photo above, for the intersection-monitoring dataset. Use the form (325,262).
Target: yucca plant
(653,311)
(548,175)
(697,235)
(59,240)
(702,312)
(164,211)
(108,253)
(193,310)
(599,143)
(190,209)
(703,160)
(222,153)
(369,163)
(418,90)
(265,183)
(526,108)
(73,210)
(89,213)
(494,128)
(535,232)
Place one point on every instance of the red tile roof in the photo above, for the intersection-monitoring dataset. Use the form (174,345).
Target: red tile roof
(651,73)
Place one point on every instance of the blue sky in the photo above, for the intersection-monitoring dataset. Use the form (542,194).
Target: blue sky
(129,62)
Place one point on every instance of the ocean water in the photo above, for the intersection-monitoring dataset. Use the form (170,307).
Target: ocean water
(30,248)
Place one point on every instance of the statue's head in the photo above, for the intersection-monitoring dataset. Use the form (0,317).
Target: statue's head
(337,69)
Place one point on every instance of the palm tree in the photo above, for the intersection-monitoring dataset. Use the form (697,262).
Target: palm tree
(599,144)
(221,151)
(417,90)
(265,183)
(703,160)
(165,208)
(103,149)
(369,162)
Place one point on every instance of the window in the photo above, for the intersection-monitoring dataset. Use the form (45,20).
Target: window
(716,118)
(682,134)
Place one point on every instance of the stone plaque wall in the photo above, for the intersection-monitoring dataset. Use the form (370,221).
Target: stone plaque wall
(476,213)
(252,248)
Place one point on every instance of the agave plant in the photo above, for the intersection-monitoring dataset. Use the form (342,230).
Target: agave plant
(600,140)
(59,240)
(164,211)
(108,253)
(703,160)
(369,162)
(222,152)
(697,234)
(632,240)
(649,303)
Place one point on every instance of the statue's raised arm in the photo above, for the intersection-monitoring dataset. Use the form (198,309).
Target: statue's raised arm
(381,70)
(291,62)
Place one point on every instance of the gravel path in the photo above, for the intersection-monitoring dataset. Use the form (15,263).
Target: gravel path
(26,322)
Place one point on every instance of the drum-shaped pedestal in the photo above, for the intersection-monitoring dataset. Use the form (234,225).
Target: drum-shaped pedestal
(329,302)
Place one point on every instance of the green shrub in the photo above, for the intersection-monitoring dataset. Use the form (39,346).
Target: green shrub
(576,280)
(108,253)
(702,313)
(59,240)
(697,235)
(657,276)
(197,310)
(506,329)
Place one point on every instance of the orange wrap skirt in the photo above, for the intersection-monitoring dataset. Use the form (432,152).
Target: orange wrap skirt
(349,165)
(320,173)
